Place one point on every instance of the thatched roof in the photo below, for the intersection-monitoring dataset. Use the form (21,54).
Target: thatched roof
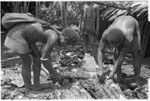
(109,11)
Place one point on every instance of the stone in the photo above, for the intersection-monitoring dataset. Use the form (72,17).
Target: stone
(90,64)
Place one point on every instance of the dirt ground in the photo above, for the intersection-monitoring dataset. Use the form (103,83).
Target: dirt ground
(82,68)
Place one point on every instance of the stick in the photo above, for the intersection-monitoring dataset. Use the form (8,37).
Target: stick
(44,70)
(17,57)
(10,59)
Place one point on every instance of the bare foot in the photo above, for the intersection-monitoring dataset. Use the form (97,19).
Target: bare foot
(60,79)
(41,86)
(37,87)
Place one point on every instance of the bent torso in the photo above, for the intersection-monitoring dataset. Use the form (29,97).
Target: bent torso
(127,25)
(34,33)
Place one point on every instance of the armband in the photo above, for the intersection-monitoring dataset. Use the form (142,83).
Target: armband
(44,59)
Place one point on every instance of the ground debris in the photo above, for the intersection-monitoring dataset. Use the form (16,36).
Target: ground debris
(135,91)
(71,56)
(71,62)
(100,91)
(14,76)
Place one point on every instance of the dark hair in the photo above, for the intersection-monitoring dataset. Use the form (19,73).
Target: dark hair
(115,36)
(71,35)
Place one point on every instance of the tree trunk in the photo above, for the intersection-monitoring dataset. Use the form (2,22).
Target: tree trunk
(97,22)
(63,14)
(16,7)
(36,9)
(25,6)
(81,16)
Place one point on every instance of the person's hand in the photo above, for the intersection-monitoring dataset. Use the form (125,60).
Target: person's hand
(53,27)
(111,76)
(101,78)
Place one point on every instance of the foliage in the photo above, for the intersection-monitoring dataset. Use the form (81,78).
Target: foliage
(52,13)
(49,12)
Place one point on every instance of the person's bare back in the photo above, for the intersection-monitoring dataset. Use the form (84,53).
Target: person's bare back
(124,35)
(129,26)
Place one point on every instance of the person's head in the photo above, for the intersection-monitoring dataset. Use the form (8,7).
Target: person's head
(115,37)
(69,37)
(75,28)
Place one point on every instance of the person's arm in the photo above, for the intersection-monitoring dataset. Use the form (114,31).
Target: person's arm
(139,36)
(52,38)
(136,63)
(46,53)
(117,65)
(57,31)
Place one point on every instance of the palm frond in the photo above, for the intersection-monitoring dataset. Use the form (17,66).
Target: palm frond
(139,8)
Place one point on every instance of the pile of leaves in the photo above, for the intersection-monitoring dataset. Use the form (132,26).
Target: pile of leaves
(71,57)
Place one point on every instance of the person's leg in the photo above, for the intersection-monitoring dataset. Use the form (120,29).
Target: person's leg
(26,70)
(118,71)
(136,64)
(36,72)
(136,58)
(95,52)
(53,74)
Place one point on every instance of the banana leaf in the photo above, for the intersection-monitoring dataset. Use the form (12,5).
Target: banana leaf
(107,12)
(110,14)
(142,13)
(121,12)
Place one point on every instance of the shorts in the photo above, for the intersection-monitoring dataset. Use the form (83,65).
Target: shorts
(15,40)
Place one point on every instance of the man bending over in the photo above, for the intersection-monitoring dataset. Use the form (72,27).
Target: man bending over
(22,38)
(124,35)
